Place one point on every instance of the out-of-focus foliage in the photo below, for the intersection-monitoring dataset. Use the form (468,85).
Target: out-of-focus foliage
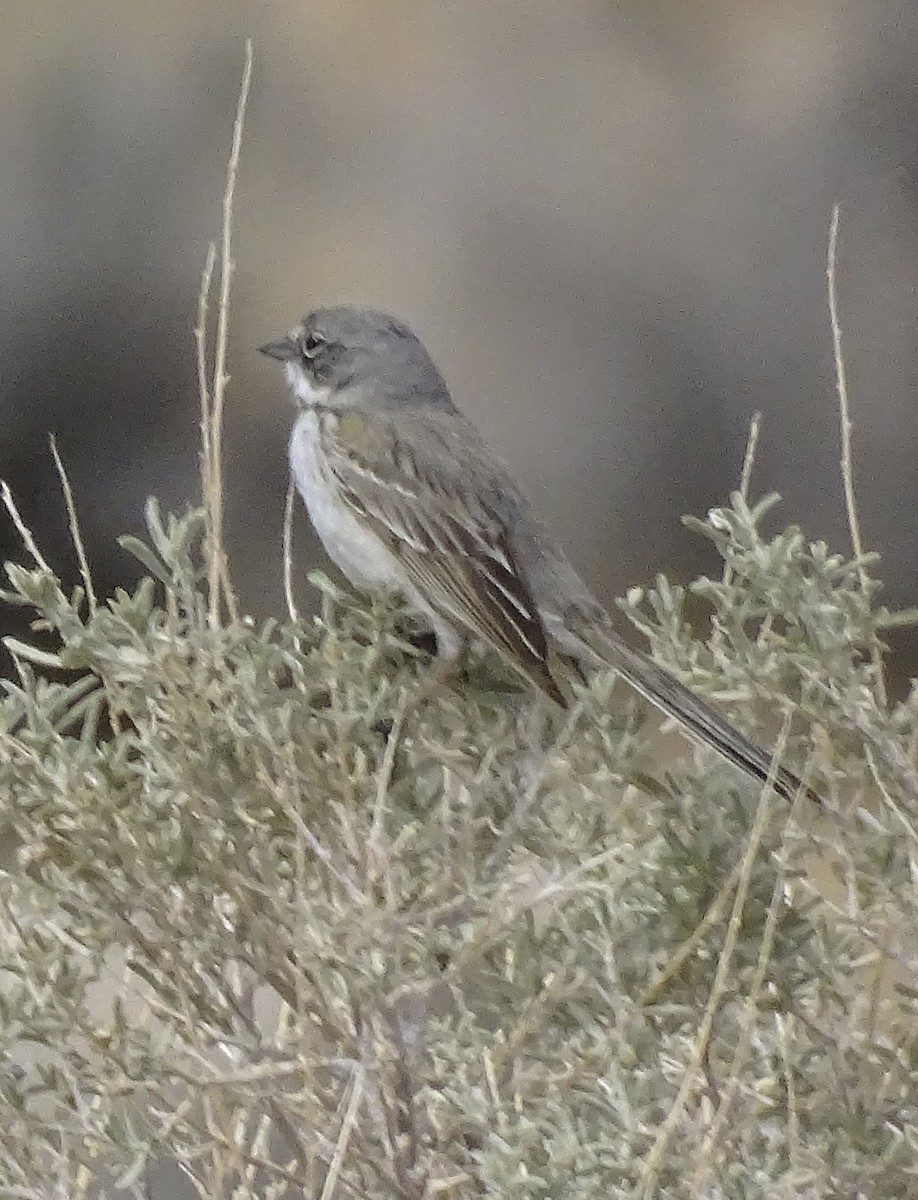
(262,919)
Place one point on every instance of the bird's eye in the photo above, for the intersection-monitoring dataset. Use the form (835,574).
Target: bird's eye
(310,345)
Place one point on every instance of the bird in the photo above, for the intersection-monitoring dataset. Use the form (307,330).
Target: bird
(406,496)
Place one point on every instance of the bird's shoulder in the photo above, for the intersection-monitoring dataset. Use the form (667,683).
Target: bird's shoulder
(420,453)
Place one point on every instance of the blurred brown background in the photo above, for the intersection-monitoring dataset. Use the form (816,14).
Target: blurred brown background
(608,221)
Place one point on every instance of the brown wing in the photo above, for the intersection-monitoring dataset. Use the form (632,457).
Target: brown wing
(449,535)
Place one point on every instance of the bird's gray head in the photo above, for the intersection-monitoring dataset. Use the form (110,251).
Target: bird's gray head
(356,357)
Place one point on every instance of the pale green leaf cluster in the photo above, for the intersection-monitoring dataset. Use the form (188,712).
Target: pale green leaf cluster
(265,921)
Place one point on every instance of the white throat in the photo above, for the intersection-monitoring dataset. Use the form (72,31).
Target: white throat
(304,388)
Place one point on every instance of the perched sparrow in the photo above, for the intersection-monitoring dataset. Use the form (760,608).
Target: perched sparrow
(406,496)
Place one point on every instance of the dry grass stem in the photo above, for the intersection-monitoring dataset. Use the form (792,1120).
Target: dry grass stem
(74,526)
(289,597)
(752,442)
(376,843)
(347,1126)
(707,1151)
(21,528)
(218,572)
(790,1091)
(200,339)
(844,413)
(887,798)
(654,1160)
(677,961)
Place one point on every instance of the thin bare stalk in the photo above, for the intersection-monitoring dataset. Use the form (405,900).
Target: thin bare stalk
(218,571)
(674,965)
(793,1118)
(200,338)
(752,442)
(376,856)
(21,528)
(704,1157)
(288,553)
(344,1136)
(646,1186)
(844,413)
(74,527)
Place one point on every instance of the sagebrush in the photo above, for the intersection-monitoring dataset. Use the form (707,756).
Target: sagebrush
(265,921)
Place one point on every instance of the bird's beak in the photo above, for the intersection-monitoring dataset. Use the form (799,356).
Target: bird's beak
(283,350)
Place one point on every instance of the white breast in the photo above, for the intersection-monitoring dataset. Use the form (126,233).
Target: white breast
(358,552)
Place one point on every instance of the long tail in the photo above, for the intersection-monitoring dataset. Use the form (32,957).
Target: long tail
(700,720)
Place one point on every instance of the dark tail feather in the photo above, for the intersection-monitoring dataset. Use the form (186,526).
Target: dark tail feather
(703,722)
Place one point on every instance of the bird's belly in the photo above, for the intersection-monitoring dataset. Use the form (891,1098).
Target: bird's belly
(356,550)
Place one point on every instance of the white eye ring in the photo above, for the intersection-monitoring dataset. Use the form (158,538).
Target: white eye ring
(311,345)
